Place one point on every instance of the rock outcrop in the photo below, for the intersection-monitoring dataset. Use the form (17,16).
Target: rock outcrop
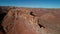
(30,20)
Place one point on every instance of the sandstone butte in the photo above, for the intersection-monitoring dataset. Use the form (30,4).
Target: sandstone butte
(19,20)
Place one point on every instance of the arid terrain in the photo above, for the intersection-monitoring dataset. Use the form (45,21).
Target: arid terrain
(20,20)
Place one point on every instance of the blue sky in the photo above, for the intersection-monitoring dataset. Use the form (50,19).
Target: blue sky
(31,3)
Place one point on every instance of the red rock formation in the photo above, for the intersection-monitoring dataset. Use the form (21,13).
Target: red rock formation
(31,21)
(19,22)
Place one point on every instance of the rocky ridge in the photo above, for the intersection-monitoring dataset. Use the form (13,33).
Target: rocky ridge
(30,20)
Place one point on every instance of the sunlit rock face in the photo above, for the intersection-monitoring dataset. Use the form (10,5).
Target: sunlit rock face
(18,20)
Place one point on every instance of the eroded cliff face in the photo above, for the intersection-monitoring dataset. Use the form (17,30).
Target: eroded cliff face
(20,22)
(31,21)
